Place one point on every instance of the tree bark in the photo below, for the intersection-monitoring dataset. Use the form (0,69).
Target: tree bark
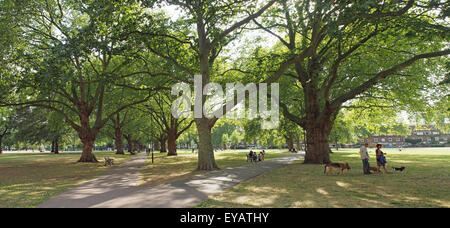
(163,148)
(172,142)
(206,160)
(88,147)
(131,146)
(318,150)
(118,140)
(55,146)
(290,142)
(87,137)
(1,145)
(319,122)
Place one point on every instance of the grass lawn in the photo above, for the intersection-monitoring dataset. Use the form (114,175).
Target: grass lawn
(424,183)
(170,169)
(28,179)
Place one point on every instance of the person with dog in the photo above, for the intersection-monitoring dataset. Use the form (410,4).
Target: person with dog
(365,158)
(381,159)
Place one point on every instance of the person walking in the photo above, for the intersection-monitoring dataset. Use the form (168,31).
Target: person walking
(365,158)
(381,159)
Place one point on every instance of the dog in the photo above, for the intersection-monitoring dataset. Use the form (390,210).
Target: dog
(340,166)
(399,169)
(374,169)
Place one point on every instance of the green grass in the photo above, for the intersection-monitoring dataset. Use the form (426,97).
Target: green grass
(424,183)
(169,169)
(28,179)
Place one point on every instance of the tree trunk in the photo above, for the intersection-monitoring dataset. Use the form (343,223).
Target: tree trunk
(56,146)
(297,142)
(318,128)
(118,140)
(172,142)
(290,142)
(1,145)
(318,149)
(88,147)
(130,143)
(87,137)
(163,148)
(206,160)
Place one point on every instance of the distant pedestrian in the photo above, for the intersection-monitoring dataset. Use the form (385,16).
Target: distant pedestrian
(365,158)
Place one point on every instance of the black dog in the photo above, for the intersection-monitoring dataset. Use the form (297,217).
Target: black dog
(399,169)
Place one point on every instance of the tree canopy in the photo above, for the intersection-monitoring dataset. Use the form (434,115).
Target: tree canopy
(104,69)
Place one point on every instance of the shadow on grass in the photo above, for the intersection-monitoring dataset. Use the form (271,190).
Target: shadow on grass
(27,180)
(175,168)
(425,183)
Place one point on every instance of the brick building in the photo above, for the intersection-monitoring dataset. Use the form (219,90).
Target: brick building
(428,134)
(386,140)
(425,134)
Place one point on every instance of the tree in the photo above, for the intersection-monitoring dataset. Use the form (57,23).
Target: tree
(5,125)
(222,131)
(160,110)
(37,126)
(216,24)
(115,129)
(77,56)
(343,50)
(236,138)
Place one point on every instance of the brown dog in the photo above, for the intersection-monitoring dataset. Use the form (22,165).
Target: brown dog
(340,166)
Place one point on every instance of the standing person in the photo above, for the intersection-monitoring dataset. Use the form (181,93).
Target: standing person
(381,159)
(365,158)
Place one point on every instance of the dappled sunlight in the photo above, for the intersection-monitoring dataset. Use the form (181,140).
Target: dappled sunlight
(256,200)
(409,198)
(343,184)
(28,179)
(374,203)
(304,204)
(267,190)
(424,183)
(441,203)
(167,169)
(322,191)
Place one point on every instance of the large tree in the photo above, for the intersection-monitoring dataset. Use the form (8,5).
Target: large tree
(77,55)
(37,126)
(194,42)
(171,128)
(343,50)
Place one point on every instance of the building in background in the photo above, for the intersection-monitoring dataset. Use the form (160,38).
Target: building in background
(428,135)
(423,135)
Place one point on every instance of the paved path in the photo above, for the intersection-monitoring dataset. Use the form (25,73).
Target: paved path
(118,188)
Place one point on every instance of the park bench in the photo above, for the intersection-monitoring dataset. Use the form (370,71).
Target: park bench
(109,161)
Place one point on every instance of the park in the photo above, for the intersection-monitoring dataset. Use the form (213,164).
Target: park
(224,104)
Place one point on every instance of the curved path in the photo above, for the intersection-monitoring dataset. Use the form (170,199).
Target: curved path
(118,188)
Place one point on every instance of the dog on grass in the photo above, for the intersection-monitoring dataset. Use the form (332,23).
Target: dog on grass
(399,169)
(340,166)
(374,169)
